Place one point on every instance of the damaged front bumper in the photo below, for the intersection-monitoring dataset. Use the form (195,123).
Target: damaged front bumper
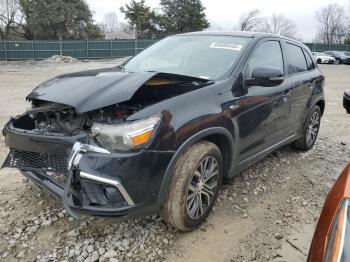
(87,178)
(70,202)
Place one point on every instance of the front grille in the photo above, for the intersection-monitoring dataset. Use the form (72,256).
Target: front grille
(31,161)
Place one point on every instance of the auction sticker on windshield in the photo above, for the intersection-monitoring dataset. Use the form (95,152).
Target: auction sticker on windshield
(226,45)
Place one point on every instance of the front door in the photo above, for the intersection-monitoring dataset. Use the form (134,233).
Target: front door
(266,109)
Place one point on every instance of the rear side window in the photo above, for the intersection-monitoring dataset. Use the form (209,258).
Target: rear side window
(297,62)
(309,61)
(267,54)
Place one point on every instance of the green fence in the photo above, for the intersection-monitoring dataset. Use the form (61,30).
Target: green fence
(94,49)
(82,49)
(325,47)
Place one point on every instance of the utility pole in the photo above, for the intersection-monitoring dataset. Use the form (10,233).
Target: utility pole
(60,37)
(135,34)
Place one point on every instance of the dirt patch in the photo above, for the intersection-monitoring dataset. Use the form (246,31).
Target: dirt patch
(267,214)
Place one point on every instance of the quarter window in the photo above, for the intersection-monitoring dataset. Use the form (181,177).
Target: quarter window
(297,62)
(268,54)
(309,61)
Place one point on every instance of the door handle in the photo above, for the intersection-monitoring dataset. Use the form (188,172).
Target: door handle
(312,84)
(286,95)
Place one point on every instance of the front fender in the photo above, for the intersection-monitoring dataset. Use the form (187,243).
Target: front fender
(184,147)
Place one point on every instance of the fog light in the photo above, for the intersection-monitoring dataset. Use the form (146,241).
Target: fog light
(113,195)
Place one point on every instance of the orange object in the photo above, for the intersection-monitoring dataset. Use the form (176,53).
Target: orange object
(339,192)
(160,81)
(142,138)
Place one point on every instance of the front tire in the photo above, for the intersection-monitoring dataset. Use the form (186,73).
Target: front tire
(310,130)
(337,61)
(195,184)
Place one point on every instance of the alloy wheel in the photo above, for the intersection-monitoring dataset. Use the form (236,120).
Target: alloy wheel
(202,188)
(312,128)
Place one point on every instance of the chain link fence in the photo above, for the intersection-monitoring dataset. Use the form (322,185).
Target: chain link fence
(96,49)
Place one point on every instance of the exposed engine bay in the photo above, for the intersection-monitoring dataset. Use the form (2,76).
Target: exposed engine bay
(55,118)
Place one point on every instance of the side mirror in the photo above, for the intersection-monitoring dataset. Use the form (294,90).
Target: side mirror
(266,76)
(346,101)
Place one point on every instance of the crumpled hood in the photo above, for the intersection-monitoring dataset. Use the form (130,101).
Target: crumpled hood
(90,90)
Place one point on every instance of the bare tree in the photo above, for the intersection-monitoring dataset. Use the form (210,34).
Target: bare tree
(126,28)
(280,25)
(215,27)
(331,23)
(10,16)
(250,21)
(110,22)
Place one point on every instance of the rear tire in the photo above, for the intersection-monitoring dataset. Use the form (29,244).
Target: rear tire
(194,187)
(319,61)
(310,130)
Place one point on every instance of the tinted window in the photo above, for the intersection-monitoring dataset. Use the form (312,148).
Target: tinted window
(268,54)
(297,62)
(309,61)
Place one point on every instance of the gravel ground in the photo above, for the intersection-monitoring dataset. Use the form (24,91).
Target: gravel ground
(267,214)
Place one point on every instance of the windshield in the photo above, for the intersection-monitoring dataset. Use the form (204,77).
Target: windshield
(208,57)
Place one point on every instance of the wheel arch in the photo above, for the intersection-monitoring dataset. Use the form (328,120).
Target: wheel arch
(317,101)
(223,143)
(219,136)
(321,103)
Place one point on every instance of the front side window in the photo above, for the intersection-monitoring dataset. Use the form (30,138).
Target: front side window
(204,56)
(267,54)
(297,62)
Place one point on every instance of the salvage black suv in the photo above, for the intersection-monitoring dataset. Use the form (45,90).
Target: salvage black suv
(159,134)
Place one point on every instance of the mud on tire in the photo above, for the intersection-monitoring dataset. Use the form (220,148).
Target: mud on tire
(177,209)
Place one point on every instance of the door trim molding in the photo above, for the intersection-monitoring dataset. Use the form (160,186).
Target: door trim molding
(251,160)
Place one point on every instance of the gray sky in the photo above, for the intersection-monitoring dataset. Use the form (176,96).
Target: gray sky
(225,13)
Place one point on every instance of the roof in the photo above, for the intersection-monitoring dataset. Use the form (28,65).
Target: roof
(237,33)
(229,33)
(244,34)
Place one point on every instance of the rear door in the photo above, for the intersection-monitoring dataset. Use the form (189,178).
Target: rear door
(264,119)
(302,77)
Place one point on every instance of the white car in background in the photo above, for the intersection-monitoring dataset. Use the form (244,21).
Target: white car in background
(323,58)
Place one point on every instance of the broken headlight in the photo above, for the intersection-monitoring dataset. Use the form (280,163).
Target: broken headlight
(128,135)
